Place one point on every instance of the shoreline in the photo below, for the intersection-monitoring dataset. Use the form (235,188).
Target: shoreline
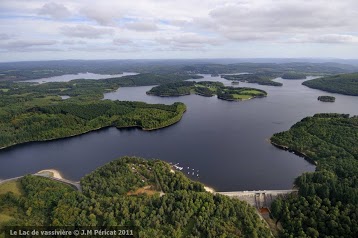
(298,153)
(55,173)
(93,130)
(209,189)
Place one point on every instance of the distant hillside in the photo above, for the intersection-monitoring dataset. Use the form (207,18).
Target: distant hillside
(342,83)
(41,69)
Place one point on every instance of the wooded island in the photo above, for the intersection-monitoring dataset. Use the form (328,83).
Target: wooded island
(207,89)
(326,99)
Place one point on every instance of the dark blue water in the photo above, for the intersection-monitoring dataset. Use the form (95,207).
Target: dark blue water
(225,141)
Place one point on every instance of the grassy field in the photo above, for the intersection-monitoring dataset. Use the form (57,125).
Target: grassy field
(12,186)
(144,190)
(254,92)
(4,89)
(212,88)
(242,97)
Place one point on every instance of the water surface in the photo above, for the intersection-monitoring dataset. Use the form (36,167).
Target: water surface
(69,77)
(226,141)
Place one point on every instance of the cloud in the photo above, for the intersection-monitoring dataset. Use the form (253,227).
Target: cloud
(104,49)
(54,10)
(102,14)
(122,41)
(280,15)
(142,26)
(272,19)
(86,31)
(218,27)
(27,45)
(179,22)
(189,40)
(73,42)
(326,39)
(4,36)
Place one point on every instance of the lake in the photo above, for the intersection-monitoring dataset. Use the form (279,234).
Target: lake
(226,143)
(69,77)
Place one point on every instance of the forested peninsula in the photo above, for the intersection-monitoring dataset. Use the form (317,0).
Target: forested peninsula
(70,119)
(293,75)
(207,89)
(342,83)
(131,191)
(327,202)
(36,112)
(263,78)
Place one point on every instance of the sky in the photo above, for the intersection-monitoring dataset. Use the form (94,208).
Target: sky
(164,29)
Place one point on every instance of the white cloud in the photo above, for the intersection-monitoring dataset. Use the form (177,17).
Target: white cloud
(30,43)
(325,38)
(122,41)
(73,42)
(142,26)
(214,27)
(86,31)
(273,19)
(55,10)
(27,45)
(188,40)
(4,36)
(102,14)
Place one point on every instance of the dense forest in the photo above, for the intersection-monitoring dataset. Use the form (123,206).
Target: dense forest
(326,98)
(131,191)
(36,112)
(43,69)
(293,75)
(69,119)
(172,89)
(327,203)
(13,92)
(342,83)
(207,89)
(240,93)
(259,78)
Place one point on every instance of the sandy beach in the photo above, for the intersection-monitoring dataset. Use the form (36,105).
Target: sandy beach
(52,173)
(208,189)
